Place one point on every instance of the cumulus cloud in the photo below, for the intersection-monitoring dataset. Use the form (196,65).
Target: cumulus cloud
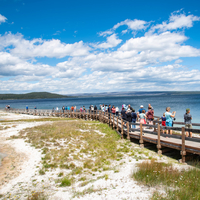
(40,48)
(112,41)
(176,21)
(2,19)
(134,25)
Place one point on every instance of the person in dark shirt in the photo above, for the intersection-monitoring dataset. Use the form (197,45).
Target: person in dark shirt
(109,109)
(134,118)
(188,123)
(123,113)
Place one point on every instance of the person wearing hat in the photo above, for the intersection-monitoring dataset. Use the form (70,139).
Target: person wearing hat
(141,109)
(188,123)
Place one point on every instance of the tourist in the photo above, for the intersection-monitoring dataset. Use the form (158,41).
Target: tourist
(150,116)
(84,109)
(169,118)
(134,118)
(106,108)
(57,109)
(103,108)
(129,107)
(188,123)
(141,109)
(81,109)
(95,109)
(113,110)
(163,118)
(66,108)
(149,105)
(142,117)
(117,111)
(53,110)
(35,108)
(123,114)
(72,108)
(26,108)
(128,115)
(92,108)
(63,109)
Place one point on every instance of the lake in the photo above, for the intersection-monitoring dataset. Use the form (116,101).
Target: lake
(178,103)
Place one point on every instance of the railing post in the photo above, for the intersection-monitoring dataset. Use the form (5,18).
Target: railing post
(127,126)
(117,123)
(113,121)
(141,138)
(122,129)
(158,144)
(154,123)
(183,152)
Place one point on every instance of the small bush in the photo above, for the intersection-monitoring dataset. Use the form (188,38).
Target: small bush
(65,182)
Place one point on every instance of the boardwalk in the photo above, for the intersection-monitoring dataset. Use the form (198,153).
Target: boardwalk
(143,133)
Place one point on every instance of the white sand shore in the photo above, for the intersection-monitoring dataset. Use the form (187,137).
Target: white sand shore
(21,175)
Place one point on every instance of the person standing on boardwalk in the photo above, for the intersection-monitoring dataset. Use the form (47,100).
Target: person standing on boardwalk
(142,117)
(188,123)
(63,109)
(150,116)
(141,109)
(26,108)
(117,111)
(134,118)
(113,110)
(169,118)
(163,118)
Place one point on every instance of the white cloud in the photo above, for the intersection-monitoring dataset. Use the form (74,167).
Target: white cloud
(176,21)
(112,41)
(40,48)
(2,19)
(132,24)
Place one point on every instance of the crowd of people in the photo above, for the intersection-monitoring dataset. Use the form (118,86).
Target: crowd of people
(142,115)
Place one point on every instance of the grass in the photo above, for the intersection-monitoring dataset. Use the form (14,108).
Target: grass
(37,196)
(182,185)
(76,146)
(66,181)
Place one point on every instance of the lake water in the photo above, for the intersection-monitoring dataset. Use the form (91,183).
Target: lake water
(178,103)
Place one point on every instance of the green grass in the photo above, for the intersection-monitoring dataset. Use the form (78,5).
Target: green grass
(62,143)
(182,185)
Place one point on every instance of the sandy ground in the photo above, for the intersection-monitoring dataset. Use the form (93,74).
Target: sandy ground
(19,176)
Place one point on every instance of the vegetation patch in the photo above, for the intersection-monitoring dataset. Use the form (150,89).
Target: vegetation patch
(178,184)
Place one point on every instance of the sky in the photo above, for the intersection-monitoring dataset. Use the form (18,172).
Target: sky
(69,47)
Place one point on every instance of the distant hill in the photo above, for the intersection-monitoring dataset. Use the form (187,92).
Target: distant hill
(32,95)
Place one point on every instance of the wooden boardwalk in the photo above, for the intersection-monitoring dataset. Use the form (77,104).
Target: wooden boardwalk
(143,133)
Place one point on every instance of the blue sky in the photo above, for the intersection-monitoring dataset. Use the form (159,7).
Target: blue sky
(71,47)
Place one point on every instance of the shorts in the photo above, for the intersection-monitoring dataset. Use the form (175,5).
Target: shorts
(169,123)
(189,126)
(163,123)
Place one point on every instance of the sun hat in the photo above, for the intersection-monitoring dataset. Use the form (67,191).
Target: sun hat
(141,106)
(187,109)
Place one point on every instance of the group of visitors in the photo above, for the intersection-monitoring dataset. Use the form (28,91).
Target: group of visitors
(168,117)
(143,116)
